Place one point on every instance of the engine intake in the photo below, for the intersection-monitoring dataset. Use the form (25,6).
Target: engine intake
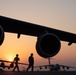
(48,45)
(1,35)
(2,65)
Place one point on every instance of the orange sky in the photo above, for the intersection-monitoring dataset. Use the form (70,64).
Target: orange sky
(59,14)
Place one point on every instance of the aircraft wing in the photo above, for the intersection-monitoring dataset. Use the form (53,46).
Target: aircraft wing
(48,39)
(23,63)
(54,65)
(12,62)
(26,28)
(4,61)
(42,66)
(45,66)
(64,66)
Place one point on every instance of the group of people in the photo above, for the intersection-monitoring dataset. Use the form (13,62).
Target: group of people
(30,60)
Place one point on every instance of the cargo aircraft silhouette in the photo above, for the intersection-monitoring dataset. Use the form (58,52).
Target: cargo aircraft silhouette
(48,39)
(55,67)
(2,64)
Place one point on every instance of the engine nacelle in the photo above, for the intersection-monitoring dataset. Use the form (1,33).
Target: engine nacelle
(1,35)
(48,45)
(11,65)
(2,65)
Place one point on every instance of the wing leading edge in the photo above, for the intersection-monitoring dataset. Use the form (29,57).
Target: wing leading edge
(26,28)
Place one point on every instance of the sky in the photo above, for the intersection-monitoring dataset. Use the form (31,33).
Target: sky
(58,14)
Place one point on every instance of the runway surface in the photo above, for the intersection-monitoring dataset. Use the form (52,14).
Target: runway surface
(39,73)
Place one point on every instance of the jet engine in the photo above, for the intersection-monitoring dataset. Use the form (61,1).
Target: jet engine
(11,65)
(48,45)
(2,65)
(1,35)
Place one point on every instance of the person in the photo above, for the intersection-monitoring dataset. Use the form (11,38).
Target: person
(31,62)
(16,59)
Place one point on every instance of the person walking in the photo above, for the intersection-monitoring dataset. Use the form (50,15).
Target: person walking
(16,59)
(31,62)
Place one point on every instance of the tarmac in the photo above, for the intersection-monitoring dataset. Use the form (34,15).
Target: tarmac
(39,73)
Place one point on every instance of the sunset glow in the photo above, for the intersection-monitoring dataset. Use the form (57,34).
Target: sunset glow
(10,59)
(57,14)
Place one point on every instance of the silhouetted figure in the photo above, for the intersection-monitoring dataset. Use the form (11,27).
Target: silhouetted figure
(16,59)
(31,62)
